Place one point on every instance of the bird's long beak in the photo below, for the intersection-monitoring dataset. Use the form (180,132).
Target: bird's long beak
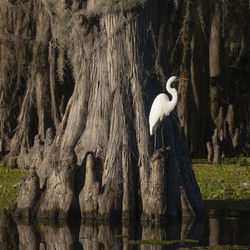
(183,79)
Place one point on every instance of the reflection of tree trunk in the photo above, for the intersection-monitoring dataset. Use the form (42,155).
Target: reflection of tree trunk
(59,237)
(97,237)
(149,233)
(88,237)
(189,228)
(186,226)
(106,236)
(8,232)
(128,232)
(213,232)
(27,237)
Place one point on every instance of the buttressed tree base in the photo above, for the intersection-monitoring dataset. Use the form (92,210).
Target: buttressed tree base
(77,82)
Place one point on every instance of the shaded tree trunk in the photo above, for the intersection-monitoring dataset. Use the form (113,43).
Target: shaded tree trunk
(210,45)
(82,77)
(216,109)
(99,162)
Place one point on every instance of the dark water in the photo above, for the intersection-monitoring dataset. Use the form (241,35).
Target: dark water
(230,231)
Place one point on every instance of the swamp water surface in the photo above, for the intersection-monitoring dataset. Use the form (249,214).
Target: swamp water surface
(227,230)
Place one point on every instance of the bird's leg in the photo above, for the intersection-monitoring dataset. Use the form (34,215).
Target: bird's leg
(162,136)
(154,141)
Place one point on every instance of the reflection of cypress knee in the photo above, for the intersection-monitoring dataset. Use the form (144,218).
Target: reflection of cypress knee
(54,236)
(213,232)
(27,236)
(186,206)
(88,236)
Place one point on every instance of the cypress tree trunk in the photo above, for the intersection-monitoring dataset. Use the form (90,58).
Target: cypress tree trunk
(212,45)
(99,162)
(77,82)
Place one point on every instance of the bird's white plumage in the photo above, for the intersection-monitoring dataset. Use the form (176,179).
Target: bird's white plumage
(162,106)
(157,112)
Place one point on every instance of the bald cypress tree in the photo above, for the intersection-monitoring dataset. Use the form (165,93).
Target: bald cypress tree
(77,82)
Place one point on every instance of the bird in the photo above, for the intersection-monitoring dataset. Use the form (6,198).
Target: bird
(162,106)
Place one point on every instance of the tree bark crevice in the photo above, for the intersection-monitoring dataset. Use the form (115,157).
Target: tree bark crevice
(81,77)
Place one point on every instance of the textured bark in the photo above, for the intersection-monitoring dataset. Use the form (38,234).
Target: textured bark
(77,81)
(217,81)
(210,153)
(214,44)
(88,197)
(28,194)
(105,122)
(58,197)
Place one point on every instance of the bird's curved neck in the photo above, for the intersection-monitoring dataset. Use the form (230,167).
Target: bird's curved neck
(174,95)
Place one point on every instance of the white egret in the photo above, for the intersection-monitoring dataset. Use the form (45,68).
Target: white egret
(162,106)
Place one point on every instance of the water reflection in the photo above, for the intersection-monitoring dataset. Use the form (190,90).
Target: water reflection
(213,231)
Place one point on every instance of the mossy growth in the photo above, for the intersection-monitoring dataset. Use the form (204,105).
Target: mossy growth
(63,20)
(61,27)
(9,182)
(223,182)
(160,242)
(112,6)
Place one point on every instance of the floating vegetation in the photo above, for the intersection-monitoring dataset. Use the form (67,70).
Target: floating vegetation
(160,242)
(223,182)
(9,182)
(219,247)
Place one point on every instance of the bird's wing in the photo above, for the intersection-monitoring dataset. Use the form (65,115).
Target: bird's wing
(157,112)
